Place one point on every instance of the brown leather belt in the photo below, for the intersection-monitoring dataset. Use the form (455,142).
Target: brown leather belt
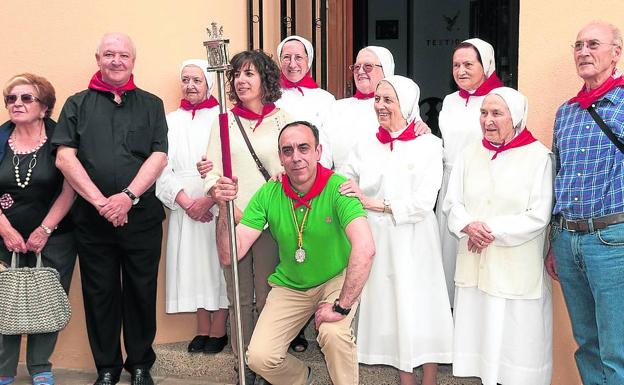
(591,224)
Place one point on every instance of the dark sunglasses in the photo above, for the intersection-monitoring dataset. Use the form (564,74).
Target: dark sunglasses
(26,98)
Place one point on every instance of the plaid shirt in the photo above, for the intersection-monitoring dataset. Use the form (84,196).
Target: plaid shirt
(590,174)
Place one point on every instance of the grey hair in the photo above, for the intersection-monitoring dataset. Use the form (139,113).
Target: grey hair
(108,34)
(615,31)
(617,35)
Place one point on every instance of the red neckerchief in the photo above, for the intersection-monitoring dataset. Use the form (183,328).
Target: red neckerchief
(305,82)
(361,96)
(488,85)
(322,176)
(523,138)
(98,84)
(243,112)
(586,98)
(208,103)
(384,136)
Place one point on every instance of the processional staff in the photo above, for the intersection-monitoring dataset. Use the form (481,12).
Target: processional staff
(218,61)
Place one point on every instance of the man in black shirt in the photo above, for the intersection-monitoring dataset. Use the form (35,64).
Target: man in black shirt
(112,146)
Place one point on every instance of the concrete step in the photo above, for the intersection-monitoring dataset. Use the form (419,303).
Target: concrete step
(174,360)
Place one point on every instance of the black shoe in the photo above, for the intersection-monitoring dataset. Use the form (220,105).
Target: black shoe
(250,377)
(197,344)
(106,377)
(262,381)
(141,376)
(215,344)
(299,344)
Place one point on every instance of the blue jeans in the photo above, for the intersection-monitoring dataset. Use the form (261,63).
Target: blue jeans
(591,270)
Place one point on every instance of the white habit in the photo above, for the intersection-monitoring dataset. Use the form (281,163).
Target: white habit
(404,316)
(348,121)
(313,107)
(194,276)
(503,307)
(459,125)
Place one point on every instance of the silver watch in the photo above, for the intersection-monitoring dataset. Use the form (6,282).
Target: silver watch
(135,199)
(386,204)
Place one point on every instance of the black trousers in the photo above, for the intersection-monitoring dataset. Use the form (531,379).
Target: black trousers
(119,270)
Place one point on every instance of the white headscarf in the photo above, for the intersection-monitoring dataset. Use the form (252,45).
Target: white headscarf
(486,51)
(308,47)
(408,94)
(517,104)
(203,65)
(385,58)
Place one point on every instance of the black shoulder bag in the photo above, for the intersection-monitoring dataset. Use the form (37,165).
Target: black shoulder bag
(263,170)
(607,131)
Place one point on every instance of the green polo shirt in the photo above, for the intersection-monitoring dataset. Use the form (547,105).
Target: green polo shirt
(325,242)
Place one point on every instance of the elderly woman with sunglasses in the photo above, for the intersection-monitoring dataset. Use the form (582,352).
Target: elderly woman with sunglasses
(499,202)
(351,119)
(34,201)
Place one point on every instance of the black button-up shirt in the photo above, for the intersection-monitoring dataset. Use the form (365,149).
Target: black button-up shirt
(113,140)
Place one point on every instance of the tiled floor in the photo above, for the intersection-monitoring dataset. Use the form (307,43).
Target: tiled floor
(75,377)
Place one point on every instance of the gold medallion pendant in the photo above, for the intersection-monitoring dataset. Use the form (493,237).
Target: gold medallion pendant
(300,254)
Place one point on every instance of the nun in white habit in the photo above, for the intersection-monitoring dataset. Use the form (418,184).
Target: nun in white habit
(474,72)
(499,202)
(301,96)
(194,278)
(353,118)
(404,318)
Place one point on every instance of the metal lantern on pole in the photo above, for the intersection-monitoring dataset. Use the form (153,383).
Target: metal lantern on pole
(218,61)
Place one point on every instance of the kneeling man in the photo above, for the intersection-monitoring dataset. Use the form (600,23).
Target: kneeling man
(325,250)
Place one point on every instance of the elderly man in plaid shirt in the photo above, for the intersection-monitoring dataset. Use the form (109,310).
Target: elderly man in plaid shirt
(587,253)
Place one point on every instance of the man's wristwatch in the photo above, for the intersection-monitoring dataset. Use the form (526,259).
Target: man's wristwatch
(340,310)
(386,204)
(133,198)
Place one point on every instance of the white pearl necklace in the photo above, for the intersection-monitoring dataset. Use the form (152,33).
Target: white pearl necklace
(31,164)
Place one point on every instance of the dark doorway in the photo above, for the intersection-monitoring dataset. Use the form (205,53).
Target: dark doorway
(422,34)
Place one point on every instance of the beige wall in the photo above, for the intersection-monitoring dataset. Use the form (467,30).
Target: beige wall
(547,77)
(57,39)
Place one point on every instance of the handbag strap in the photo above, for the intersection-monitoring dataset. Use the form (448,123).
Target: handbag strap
(15,260)
(259,164)
(607,131)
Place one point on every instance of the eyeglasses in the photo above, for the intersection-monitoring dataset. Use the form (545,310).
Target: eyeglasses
(25,98)
(288,59)
(368,67)
(592,45)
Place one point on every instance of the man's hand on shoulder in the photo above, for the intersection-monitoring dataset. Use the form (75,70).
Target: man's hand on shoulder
(325,313)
